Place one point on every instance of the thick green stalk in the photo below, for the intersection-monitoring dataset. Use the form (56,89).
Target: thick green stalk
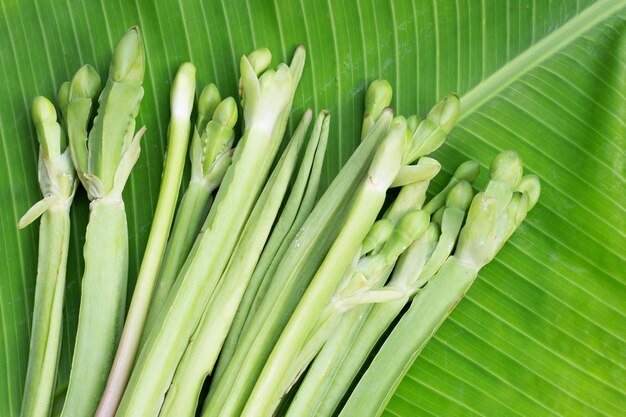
(302,197)
(268,99)
(58,184)
(183,90)
(102,306)
(210,156)
(200,355)
(112,152)
(304,255)
(367,202)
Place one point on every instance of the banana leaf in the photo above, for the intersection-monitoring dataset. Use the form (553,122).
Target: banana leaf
(543,330)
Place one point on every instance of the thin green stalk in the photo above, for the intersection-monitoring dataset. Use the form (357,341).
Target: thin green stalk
(200,355)
(57,180)
(181,104)
(112,152)
(367,202)
(343,354)
(415,267)
(304,255)
(492,217)
(267,104)
(302,197)
(212,141)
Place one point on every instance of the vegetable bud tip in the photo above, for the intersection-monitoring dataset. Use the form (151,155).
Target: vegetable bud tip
(260,59)
(208,101)
(460,196)
(377,97)
(507,167)
(183,91)
(467,171)
(414,223)
(127,64)
(85,83)
(43,110)
(226,113)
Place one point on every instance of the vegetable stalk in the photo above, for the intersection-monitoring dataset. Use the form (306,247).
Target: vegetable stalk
(104,167)
(267,102)
(210,156)
(493,216)
(57,180)
(182,96)
(366,204)
(204,347)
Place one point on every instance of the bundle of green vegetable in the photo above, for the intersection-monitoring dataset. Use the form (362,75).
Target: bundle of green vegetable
(262,291)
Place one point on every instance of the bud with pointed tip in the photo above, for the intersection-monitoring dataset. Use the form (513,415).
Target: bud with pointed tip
(432,132)
(377,98)
(507,168)
(467,171)
(460,196)
(85,83)
(127,64)
(377,235)
(49,133)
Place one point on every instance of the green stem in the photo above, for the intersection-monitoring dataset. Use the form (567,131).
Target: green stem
(364,209)
(302,197)
(428,311)
(102,306)
(178,137)
(204,347)
(45,341)
(192,211)
(295,271)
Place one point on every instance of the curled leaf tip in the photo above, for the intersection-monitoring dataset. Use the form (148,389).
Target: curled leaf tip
(531,186)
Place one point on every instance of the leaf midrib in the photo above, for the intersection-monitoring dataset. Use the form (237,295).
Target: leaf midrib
(538,53)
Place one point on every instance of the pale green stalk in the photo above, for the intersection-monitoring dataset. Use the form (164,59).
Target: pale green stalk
(367,202)
(200,355)
(304,255)
(181,105)
(266,108)
(57,180)
(111,153)
(492,216)
(300,202)
(361,286)
(210,156)
(415,266)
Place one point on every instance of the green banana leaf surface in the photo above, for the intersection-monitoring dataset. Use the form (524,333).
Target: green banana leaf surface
(543,329)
